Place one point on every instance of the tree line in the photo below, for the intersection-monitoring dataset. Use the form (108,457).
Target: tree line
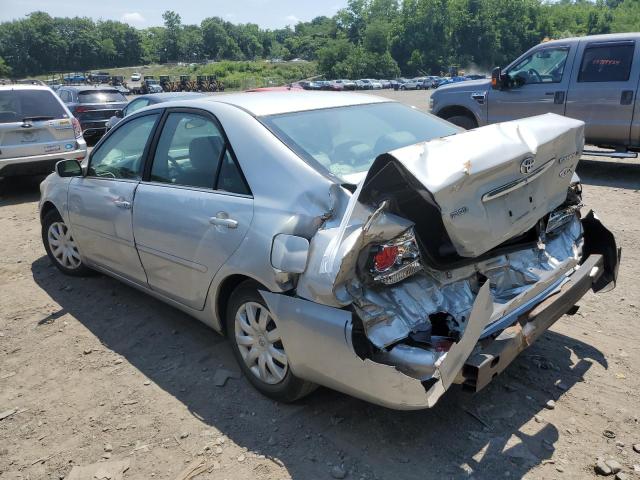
(368,38)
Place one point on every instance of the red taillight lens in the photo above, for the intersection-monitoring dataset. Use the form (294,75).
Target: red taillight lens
(81,109)
(77,129)
(386,258)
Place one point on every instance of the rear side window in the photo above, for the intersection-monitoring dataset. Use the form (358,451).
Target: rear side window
(18,105)
(189,151)
(101,96)
(607,63)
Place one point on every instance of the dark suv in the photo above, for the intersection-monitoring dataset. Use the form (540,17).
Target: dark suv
(93,107)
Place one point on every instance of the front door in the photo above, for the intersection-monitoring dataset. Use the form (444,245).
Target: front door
(603,89)
(538,85)
(193,209)
(100,203)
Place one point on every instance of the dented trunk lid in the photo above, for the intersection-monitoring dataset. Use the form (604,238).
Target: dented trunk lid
(476,190)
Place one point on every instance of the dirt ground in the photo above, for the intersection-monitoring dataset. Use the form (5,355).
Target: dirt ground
(95,371)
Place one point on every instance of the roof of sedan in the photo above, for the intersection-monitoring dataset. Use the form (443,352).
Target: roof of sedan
(274,103)
(171,96)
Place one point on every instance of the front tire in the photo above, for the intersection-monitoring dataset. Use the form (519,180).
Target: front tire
(258,348)
(462,121)
(61,247)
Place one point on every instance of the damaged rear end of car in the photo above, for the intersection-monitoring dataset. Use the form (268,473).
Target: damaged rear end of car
(451,257)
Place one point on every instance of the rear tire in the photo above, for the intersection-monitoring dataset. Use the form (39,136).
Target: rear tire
(257,347)
(61,247)
(463,121)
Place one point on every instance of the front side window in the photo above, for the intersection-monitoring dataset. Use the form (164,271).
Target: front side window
(346,140)
(543,66)
(606,63)
(121,154)
(189,151)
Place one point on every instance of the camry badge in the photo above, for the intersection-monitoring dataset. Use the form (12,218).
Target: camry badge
(527,165)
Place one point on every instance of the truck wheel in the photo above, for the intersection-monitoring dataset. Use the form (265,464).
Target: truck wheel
(462,121)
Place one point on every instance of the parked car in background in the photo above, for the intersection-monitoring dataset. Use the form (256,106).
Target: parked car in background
(375,84)
(149,99)
(74,78)
(413,84)
(314,85)
(592,78)
(385,83)
(363,85)
(311,229)
(136,77)
(36,131)
(92,106)
(346,84)
(475,76)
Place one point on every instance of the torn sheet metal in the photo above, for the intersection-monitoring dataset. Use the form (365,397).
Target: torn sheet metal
(389,314)
(317,339)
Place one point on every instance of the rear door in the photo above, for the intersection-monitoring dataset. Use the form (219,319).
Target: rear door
(100,204)
(193,209)
(33,122)
(602,90)
(541,79)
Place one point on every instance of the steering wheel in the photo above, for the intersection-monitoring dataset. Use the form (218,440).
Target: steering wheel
(534,73)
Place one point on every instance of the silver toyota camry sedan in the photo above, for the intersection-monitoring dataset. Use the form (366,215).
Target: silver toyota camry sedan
(339,239)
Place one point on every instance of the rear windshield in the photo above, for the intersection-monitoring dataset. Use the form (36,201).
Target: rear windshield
(18,105)
(346,140)
(101,96)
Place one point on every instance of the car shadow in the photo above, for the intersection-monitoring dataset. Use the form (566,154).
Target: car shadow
(610,173)
(18,190)
(501,429)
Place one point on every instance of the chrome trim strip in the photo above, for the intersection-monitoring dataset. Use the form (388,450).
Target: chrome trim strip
(510,187)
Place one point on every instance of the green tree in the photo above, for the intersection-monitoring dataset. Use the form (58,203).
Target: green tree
(5,70)
(172,25)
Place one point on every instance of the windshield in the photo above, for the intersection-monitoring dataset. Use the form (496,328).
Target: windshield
(346,140)
(101,96)
(17,105)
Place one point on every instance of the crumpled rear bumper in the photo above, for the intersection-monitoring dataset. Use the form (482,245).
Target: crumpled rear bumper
(318,338)
(497,353)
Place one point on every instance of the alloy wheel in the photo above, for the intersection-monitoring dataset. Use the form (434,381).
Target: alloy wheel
(259,342)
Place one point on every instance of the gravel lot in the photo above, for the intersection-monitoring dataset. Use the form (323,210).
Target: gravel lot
(95,371)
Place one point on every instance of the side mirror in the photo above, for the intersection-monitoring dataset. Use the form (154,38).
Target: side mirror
(69,168)
(496,78)
(119,113)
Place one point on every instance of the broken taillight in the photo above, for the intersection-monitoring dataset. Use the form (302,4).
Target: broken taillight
(396,260)
(386,258)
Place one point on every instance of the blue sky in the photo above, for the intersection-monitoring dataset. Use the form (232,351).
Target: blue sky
(146,13)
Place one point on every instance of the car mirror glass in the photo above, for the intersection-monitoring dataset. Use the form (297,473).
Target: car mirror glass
(69,168)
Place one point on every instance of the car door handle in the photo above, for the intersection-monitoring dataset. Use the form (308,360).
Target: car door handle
(222,220)
(122,204)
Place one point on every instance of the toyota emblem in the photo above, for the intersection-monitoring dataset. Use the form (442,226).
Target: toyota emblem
(527,165)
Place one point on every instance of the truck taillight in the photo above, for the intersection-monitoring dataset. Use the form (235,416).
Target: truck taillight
(77,129)
(396,260)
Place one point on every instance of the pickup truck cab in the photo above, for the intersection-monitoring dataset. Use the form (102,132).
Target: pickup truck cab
(593,78)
